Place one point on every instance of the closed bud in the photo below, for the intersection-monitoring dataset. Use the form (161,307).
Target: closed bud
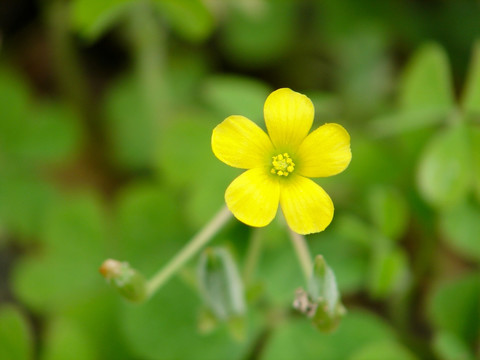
(322,301)
(130,283)
(221,287)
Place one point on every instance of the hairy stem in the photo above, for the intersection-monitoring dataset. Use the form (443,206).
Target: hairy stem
(188,251)
(303,253)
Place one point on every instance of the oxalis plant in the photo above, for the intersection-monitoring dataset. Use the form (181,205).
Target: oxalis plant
(278,167)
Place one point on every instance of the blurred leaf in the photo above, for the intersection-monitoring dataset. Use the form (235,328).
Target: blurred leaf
(184,152)
(164,328)
(65,340)
(15,104)
(471,91)
(16,341)
(92,18)
(372,158)
(474,132)
(299,340)
(279,270)
(235,95)
(348,258)
(327,107)
(388,273)
(354,229)
(96,316)
(444,170)
(449,347)
(259,37)
(453,307)
(382,351)
(363,64)
(66,270)
(208,192)
(48,132)
(191,19)
(24,200)
(183,75)
(407,120)
(388,210)
(129,128)
(460,226)
(149,229)
(51,135)
(426,81)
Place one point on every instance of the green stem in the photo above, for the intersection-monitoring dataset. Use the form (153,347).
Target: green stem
(188,251)
(253,254)
(68,69)
(303,253)
(148,47)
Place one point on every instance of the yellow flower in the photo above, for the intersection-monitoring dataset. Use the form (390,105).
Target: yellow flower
(279,164)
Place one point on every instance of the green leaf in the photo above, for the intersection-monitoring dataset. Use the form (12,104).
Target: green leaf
(65,271)
(260,36)
(383,350)
(426,80)
(208,192)
(354,229)
(24,200)
(92,18)
(235,95)
(148,226)
(407,120)
(16,340)
(471,92)
(279,270)
(444,172)
(474,132)
(453,307)
(191,19)
(388,210)
(164,328)
(449,347)
(460,227)
(297,339)
(15,103)
(388,273)
(130,130)
(348,257)
(51,135)
(65,340)
(184,153)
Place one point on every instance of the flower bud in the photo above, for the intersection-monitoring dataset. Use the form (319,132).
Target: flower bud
(127,281)
(220,285)
(322,301)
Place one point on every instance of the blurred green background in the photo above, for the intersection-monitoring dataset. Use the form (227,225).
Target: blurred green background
(106,113)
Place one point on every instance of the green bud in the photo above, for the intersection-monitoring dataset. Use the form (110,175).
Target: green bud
(220,285)
(130,283)
(322,301)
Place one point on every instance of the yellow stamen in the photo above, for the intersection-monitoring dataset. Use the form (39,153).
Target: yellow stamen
(282,164)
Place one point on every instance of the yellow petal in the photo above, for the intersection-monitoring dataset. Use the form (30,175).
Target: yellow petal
(325,152)
(239,142)
(253,197)
(289,117)
(305,205)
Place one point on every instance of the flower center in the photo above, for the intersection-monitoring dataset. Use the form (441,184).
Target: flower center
(282,165)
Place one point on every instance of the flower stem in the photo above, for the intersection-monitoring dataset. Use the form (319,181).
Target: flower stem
(303,253)
(188,251)
(253,254)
